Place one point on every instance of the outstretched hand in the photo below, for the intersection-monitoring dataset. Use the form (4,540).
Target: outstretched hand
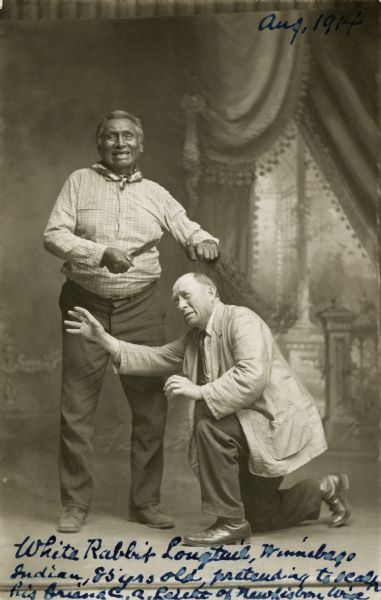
(86,325)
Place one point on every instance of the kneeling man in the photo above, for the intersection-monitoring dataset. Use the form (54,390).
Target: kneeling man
(252,421)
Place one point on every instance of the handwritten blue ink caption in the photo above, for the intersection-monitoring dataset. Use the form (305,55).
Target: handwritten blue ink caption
(164,593)
(326,23)
(179,570)
(95,550)
(55,549)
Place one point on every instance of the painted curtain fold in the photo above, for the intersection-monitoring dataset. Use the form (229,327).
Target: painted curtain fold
(340,122)
(252,83)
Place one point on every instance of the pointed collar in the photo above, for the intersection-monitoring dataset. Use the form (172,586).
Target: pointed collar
(215,321)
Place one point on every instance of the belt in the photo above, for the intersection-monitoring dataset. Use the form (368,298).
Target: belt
(112,301)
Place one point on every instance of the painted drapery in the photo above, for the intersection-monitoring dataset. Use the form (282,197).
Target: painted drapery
(340,122)
(248,86)
(252,82)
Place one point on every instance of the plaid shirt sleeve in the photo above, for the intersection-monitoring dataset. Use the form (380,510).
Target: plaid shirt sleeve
(59,236)
(177,222)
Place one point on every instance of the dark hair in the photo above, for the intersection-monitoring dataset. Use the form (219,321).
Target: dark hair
(119,114)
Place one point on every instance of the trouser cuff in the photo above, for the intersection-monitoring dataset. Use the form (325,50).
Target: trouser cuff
(77,505)
(220,511)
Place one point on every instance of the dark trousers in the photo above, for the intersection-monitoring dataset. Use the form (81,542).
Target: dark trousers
(229,490)
(140,320)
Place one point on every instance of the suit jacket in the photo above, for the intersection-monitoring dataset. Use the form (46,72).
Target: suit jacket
(250,378)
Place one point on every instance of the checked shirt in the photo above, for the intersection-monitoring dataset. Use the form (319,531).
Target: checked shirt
(93,213)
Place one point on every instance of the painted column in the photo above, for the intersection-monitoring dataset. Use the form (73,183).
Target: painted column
(337,323)
(303,344)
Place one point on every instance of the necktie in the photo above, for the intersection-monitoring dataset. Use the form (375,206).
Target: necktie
(111,176)
(201,409)
(202,377)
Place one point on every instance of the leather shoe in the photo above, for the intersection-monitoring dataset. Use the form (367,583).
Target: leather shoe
(333,488)
(151,516)
(223,531)
(71,519)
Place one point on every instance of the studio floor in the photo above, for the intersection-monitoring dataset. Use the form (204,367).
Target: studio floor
(30,507)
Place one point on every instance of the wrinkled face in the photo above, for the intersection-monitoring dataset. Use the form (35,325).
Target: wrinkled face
(194,300)
(119,145)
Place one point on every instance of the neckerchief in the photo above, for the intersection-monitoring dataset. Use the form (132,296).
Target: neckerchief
(122,178)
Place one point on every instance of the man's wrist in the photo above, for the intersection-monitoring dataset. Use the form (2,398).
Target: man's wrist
(116,356)
(129,259)
(102,261)
(109,343)
(199,393)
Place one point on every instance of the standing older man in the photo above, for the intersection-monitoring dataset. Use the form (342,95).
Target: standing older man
(105,225)
(252,421)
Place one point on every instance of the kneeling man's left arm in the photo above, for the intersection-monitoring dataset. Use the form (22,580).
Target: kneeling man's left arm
(250,342)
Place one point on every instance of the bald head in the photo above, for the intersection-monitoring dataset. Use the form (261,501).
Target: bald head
(195,296)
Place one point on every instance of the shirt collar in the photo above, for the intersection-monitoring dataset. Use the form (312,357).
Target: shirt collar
(209,325)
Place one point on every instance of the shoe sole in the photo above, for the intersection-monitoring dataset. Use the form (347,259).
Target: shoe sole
(344,519)
(69,529)
(186,542)
(345,485)
(243,538)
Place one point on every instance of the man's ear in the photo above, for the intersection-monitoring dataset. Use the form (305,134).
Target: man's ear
(212,291)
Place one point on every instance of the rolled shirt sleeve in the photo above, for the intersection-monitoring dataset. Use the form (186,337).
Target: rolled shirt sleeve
(178,224)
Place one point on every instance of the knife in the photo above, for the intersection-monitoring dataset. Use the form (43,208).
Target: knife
(142,249)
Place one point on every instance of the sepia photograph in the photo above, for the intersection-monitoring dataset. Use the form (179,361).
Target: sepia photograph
(189,299)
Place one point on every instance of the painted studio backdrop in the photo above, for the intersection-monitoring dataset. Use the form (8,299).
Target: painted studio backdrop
(271,146)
